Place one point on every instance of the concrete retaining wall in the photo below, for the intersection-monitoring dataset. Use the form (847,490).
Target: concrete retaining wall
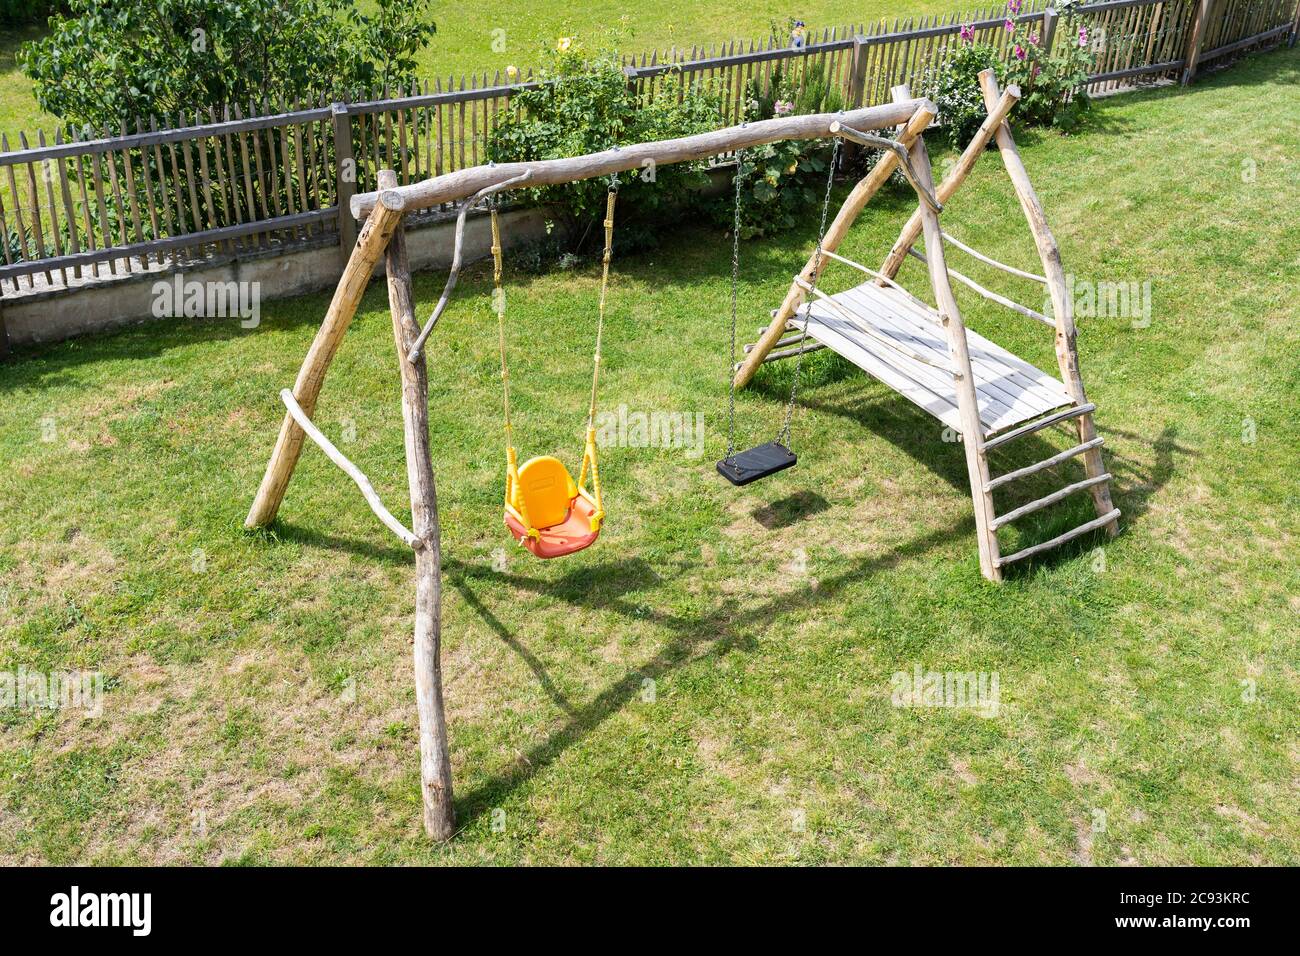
(97,304)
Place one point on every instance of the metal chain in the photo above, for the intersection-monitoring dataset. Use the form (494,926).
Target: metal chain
(783,436)
(735,280)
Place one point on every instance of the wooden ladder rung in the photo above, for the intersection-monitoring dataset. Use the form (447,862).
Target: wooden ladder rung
(1046,500)
(1066,455)
(1040,425)
(784,354)
(1083,529)
(787,340)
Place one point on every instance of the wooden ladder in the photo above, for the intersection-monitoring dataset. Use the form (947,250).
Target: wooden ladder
(1098,481)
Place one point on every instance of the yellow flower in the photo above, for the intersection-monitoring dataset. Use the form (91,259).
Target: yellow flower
(793,167)
(563,44)
(512,71)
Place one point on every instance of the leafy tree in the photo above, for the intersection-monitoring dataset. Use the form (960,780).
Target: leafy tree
(109,61)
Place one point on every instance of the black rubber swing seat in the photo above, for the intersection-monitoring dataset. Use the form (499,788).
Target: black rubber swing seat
(756,463)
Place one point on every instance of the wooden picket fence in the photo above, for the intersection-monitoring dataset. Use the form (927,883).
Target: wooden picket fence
(259,179)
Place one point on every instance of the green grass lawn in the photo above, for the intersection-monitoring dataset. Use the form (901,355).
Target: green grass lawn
(712,681)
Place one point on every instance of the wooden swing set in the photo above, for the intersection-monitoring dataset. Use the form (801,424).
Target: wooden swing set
(985,393)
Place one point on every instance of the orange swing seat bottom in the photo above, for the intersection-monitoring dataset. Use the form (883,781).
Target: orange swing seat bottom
(564,519)
(568,537)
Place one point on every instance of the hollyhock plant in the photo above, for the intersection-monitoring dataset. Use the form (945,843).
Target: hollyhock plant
(968,33)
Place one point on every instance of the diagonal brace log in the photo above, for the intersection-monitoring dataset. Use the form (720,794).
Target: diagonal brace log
(371,244)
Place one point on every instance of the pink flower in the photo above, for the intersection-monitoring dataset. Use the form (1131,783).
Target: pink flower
(782,107)
(968,33)
(1010,25)
(1083,36)
(1019,52)
(1033,38)
(1014,5)
(1033,74)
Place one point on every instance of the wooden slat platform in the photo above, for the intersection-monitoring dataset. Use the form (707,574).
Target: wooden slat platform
(1010,390)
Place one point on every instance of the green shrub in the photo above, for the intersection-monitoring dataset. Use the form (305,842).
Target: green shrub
(584,106)
(957,90)
(111,61)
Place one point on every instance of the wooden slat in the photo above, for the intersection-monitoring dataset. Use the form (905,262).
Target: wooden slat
(57,233)
(1007,395)
(34,206)
(1046,463)
(1093,525)
(1059,495)
(1032,427)
(132,199)
(69,211)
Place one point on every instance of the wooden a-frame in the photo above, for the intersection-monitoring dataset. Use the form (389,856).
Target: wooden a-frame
(924,224)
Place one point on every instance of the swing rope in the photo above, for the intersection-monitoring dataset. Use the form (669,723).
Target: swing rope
(589,447)
(514,500)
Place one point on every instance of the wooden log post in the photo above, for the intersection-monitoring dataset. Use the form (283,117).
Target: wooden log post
(345,177)
(1050,19)
(858,71)
(857,199)
(435,760)
(370,245)
(959,350)
(1195,33)
(1067,354)
(1295,27)
(856,91)
(953,181)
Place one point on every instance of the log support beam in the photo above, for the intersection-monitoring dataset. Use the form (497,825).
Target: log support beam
(1067,353)
(370,246)
(435,759)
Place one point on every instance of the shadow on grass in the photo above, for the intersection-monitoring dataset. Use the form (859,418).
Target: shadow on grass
(713,634)
(789,510)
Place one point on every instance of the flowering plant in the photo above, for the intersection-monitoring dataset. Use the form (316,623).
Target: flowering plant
(1053,83)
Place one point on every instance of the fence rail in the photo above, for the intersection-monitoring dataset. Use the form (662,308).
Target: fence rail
(262,177)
